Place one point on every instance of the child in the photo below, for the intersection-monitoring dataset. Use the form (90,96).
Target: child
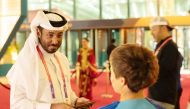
(133,68)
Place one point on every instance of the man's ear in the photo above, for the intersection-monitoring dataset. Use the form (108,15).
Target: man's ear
(38,32)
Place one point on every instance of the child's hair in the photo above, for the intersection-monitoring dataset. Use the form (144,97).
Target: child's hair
(138,65)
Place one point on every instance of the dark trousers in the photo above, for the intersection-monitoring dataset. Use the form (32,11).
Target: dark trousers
(179,93)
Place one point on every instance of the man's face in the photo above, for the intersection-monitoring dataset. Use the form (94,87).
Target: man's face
(156,32)
(50,40)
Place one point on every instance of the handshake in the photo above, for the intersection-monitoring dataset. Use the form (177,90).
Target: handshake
(81,103)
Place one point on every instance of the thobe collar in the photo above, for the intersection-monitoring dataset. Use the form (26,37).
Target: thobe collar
(45,53)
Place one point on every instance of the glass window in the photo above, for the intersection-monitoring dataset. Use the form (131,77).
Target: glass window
(183,42)
(143,8)
(74,44)
(114,9)
(38,4)
(72,47)
(116,35)
(149,40)
(140,36)
(182,7)
(66,5)
(167,8)
(87,34)
(174,7)
(131,36)
(186,47)
(100,49)
(87,9)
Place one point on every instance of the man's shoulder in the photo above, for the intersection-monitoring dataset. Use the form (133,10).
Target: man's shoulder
(171,45)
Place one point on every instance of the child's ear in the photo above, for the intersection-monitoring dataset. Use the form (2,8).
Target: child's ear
(122,79)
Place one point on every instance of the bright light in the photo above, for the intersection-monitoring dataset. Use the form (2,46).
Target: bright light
(5,29)
(8,10)
(14,56)
(134,8)
(151,8)
(4,7)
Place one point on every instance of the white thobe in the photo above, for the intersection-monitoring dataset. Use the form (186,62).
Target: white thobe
(30,88)
(55,73)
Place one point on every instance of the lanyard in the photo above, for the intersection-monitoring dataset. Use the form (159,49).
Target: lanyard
(48,74)
(164,43)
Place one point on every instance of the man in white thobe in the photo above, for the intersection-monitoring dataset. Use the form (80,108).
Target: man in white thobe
(40,78)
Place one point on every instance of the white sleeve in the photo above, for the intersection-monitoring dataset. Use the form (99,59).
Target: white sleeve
(19,100)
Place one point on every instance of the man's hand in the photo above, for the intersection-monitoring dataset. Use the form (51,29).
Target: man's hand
(82,100)
(83,103)
(60,106)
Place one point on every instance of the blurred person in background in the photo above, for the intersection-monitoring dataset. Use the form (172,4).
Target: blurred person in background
(88,69)
(164,91)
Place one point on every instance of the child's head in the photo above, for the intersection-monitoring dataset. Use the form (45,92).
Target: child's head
(133,66)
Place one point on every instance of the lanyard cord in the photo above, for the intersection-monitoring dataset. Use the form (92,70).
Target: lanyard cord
(164,43)
(62,74)
(48,74)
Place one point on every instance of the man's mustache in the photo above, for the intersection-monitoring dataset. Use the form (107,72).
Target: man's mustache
(55,45)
